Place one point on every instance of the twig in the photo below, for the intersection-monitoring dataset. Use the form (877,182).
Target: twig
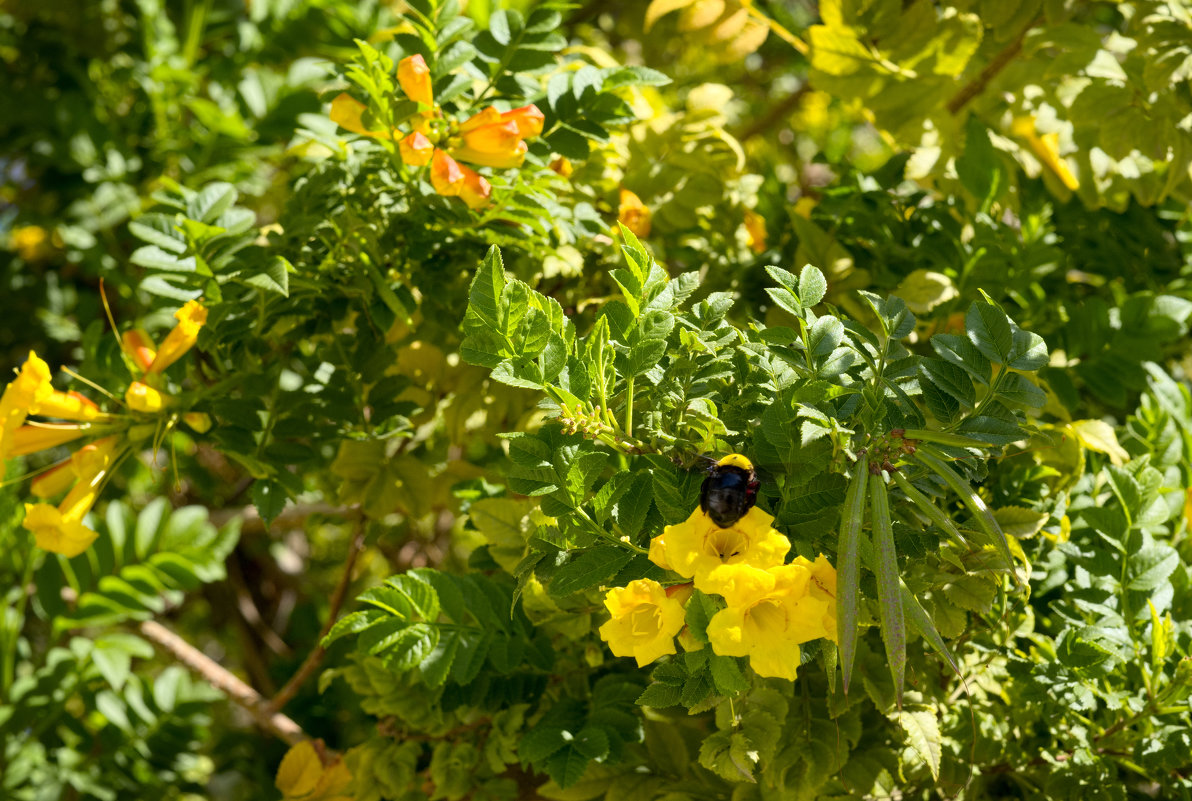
(311,663)
(999,62)
(776,113)
(217,676)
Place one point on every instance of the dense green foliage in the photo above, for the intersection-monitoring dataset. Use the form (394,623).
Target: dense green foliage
(925,264)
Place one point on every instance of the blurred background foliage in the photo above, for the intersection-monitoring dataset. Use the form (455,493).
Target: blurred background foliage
(1034,150)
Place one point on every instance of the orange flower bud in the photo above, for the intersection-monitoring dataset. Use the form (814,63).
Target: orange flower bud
(634,214)
(416,150)
(139,348)
(476,191)
(446,175)
(528,119)
(347,112)
(414,77)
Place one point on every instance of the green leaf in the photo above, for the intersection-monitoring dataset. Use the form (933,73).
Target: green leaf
(812,286)
(541,742)
(1029,351)
(990,331)
(961,352)
(727,677)
(488,285)
(154,258)
(567,766)
(591,568)
(979,168)
(269,497)
(660,695)
(352,624)
(274,278)
(893,623)
(825,335)
(1020,391)
(727,754)
(974,593)
(951,379)
(158,229)
(922,729)
(1150,567)
(1020,522)
(700,610)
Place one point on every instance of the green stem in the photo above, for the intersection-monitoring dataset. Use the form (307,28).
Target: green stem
(629,406)
(989,398)
(10,645)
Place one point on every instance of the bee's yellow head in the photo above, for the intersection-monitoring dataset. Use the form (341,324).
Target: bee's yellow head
(735,460)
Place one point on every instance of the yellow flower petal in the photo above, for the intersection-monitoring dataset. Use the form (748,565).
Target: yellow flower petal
(698,546)
(55,533)
(191,318)
(644,621)
(33,438)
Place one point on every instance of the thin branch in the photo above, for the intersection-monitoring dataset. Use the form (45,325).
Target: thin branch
(778,112)
(217,676)
(315,657)
(999,62)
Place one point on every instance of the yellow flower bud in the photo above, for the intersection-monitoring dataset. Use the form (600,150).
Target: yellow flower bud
(414,77)
(144,398)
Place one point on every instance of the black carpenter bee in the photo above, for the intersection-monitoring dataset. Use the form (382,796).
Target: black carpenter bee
(730,490)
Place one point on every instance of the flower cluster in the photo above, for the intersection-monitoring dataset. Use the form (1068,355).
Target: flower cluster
(489,138)
(72,417)
(771,606)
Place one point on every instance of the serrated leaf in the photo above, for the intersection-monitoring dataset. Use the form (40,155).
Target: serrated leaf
(812,286)
(660,695)
(591,568)
(990,331)
(922,729)
(1020,522)
(484,294)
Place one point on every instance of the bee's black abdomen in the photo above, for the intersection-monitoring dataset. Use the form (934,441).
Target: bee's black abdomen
(728,494)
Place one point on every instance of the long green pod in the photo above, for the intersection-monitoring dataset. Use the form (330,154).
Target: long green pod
(944,438)
(933,512)
(933,460)
(916,615)
(848,575)
(889,596)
